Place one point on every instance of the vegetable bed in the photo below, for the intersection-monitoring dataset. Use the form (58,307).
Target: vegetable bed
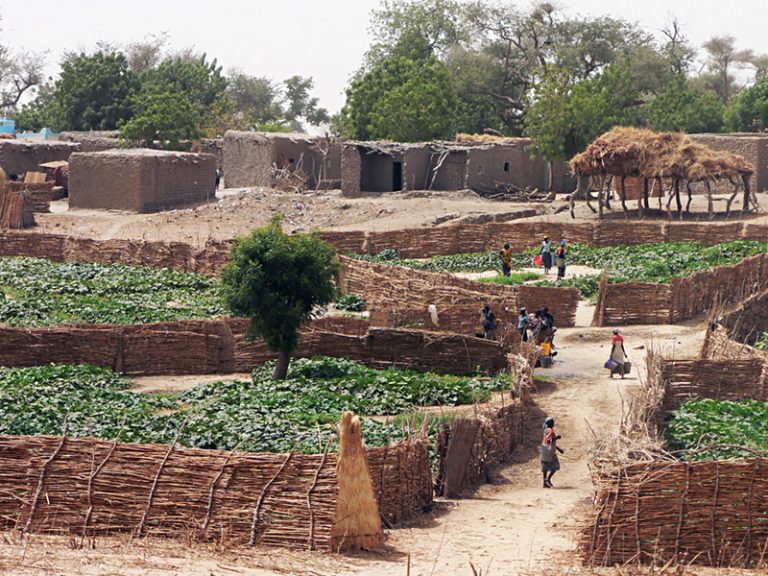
(658,263)
(262,414)
(700,423)
(36,292)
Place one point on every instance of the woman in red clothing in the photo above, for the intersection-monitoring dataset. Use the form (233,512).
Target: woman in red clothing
(549,448)
(618,354)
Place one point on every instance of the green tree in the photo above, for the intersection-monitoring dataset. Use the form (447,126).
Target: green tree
(748,112)
(563,115)
(400,99)
(277,280)
(167,118)
(94,92)
(682,107)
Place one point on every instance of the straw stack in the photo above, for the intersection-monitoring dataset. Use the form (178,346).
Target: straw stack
(358,525)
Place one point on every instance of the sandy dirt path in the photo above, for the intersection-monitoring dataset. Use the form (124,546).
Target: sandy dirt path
(513,526)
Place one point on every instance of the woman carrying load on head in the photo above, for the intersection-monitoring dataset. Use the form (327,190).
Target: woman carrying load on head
(549,449)
(546,255)
(618,354)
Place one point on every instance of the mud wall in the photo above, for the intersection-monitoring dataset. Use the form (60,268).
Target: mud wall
(753,147)
(247,159)
(20,156)
(140,180)
(95,141)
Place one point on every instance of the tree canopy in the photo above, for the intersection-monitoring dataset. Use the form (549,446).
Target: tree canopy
(277,281)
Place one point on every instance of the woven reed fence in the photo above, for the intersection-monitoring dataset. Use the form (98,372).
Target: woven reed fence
(661,510)
(749,320)
(410,243)
(40,194)
(399,296)
(221,347)
(15,209)
(719,379)
(89,487)
(712,512)
(471,448)
(647,303)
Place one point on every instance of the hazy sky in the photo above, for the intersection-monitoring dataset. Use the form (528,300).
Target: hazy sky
(324,39)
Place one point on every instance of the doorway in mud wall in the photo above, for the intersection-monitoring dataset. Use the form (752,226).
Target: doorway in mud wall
(397,176)
(381,172)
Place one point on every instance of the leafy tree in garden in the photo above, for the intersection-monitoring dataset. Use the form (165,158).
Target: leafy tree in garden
(277,280)
(168,118)
(749,111)
(685,108)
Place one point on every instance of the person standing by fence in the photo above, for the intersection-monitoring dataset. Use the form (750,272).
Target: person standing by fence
(560,260)
(548,452)
(546,255)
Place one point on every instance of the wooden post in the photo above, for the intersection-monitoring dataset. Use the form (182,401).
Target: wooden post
(624,195)
(710,205)
(646,203)
(690,196)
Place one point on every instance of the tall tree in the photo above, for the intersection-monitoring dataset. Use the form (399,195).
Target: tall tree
(300,105)
(20,72)
(277,281)
(748,112)
(94,91)
(722,59)
(685,107)
(563,114)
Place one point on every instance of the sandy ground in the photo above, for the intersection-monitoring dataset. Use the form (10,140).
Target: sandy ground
(237,212)
(512,526)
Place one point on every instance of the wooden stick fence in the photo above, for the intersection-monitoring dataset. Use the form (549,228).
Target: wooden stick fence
(91,487)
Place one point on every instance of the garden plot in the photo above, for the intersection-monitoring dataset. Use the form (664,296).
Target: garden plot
(259,415)
(36,293)
(653,263)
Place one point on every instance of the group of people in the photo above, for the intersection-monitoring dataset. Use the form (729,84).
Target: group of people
(538,326)
(546,252)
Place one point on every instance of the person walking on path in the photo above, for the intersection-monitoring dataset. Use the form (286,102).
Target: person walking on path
(560,260)
(549,449)
(506,260)
(618,354)
(546,255)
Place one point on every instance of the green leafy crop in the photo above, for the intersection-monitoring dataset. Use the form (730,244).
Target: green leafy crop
(263,414)
(701,423)
(43,293)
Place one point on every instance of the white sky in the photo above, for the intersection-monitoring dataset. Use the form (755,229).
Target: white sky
(325,39)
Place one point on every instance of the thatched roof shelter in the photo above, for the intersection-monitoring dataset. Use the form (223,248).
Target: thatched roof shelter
(637,152)
(655,157)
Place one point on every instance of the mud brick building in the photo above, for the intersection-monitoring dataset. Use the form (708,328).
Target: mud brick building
(254,159)
(20,156)
(140,180)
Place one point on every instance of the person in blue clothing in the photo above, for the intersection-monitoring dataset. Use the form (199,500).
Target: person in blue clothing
(546,255)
